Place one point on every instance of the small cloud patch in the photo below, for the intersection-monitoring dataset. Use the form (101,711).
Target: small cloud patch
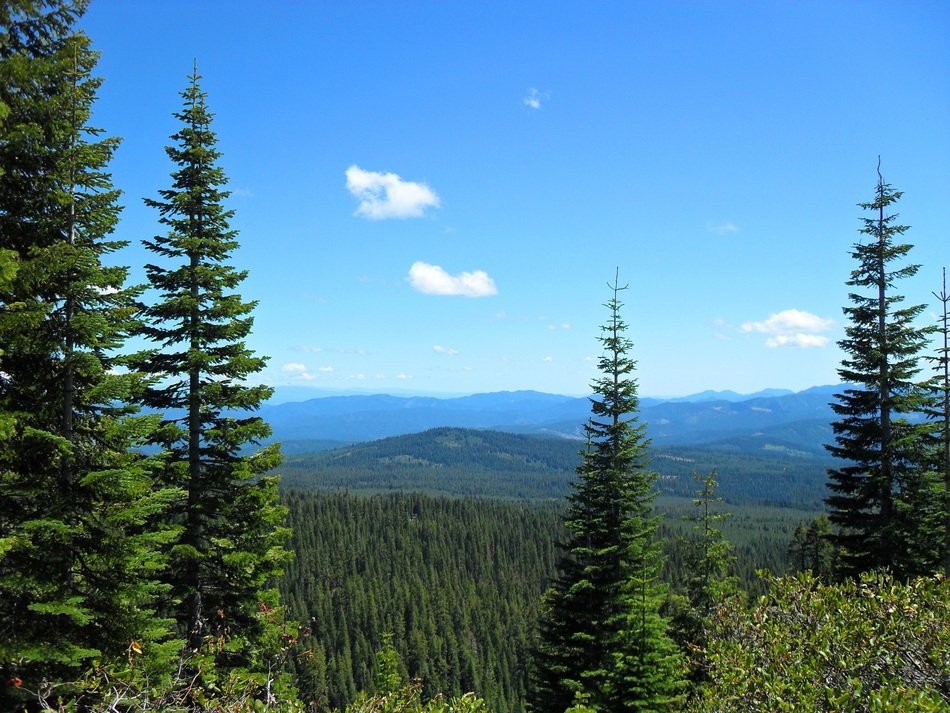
(387,195)
(792,328)
(533,98)
(297,371)
(433,280)
(724,228)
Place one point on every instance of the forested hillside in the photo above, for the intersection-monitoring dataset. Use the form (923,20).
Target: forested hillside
(463,462)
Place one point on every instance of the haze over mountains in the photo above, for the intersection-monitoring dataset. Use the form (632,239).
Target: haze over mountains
(771,419)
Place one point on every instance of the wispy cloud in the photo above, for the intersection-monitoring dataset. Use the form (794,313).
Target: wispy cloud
(792,328)
(448,351)
(548,359)
(433,280)
(796,340)
(297,371)
(533,98)
(722,228)
(386,195)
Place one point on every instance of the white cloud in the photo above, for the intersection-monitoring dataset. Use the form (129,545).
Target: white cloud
(448,351)
(386,195)
(723,228)
(403,376)
(796,340)
(326,369)
(548,359)
(433,280)
(790,320)
(297,371)
(792,328)
(533,98)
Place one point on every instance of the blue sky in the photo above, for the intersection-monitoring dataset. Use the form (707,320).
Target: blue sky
(432,196)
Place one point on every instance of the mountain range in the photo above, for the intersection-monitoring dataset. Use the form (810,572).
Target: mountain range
(772,420)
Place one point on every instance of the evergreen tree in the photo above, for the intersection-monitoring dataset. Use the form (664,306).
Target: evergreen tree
(811,549)
(601,634)
(707,581)
(78,568)
(941,416)
(231,545)
(877,489)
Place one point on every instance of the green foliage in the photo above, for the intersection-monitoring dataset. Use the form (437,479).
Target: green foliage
(191,685)
(409,700)
(389,677)
(232,534)
(79,556)
(811,549)
(871,644)
(394,695)
(601,632)
(879,500)
(940,414)
(707,578)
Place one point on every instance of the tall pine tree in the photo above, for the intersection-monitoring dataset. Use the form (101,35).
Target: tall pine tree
(602,637)
(78,569)
(941,417)
(231,546)
(877,490)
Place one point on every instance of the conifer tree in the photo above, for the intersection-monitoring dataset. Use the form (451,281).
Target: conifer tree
(78,570)
(602,638)
(941,416)
(811,549)
(707,581)
(876,492)
(231,546)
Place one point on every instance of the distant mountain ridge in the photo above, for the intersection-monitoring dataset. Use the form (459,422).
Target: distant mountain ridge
(794,421)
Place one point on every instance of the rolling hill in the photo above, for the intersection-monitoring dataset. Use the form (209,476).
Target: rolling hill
(465,462)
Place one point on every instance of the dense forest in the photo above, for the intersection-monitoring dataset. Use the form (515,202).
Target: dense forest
(149,561)
(457,582)
(464,462)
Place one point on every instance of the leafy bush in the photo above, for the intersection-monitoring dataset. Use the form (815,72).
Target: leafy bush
(872,644)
